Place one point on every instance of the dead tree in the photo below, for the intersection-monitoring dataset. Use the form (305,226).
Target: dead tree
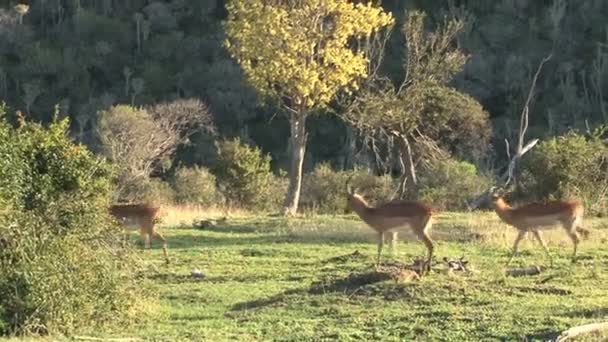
(522,147)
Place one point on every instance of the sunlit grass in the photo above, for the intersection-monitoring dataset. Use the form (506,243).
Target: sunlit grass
(271,278)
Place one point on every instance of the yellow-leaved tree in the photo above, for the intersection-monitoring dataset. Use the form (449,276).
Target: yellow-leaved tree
(301,53)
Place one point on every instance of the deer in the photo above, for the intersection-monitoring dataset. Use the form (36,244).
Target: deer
(535,217)
(391,216)
(141,215)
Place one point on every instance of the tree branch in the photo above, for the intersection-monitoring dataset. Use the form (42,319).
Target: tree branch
(507,177)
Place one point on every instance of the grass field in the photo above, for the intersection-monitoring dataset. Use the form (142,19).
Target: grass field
(269,278)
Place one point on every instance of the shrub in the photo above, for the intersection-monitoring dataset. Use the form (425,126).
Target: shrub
(568,166)
(245,178)
(158,192)
(61,262)
(447,184)
(142,140)
(377,189)
(152,191)
(324,189)
(196,186)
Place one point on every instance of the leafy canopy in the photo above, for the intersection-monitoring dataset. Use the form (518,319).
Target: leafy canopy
(424,104)
(301,52)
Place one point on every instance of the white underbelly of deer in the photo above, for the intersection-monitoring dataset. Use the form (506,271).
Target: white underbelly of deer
(130,223)
(390,225)
(542,222)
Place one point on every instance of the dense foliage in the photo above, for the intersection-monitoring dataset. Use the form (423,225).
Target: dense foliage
(62,265)
(571,166)
(325,188)
(245,178)
(198,186)
(449,184)
(140,141)
(300,54)
(89,55)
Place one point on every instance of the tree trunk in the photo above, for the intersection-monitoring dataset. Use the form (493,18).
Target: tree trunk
(297,151)
(407,159)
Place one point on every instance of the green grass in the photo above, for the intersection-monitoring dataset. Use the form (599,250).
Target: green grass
(277,279)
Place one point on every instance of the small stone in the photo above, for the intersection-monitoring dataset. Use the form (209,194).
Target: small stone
(198,274)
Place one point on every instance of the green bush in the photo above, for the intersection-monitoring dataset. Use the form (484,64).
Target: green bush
(568,166)
(324,189)
(376,189)
(62,265)
(196,186)
(245,177)
(153,191)
(158,192)
(448,184)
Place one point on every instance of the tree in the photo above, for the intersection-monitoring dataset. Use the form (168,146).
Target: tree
(300,53)
(139,140)
(426,116)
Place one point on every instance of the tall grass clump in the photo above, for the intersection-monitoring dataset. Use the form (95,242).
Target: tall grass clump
(62,266)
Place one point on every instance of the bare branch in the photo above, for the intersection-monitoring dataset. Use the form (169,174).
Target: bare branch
(508,176)
(139,140)
(523,122)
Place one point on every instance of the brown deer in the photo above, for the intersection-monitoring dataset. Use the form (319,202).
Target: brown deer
(141,215)
(391,216)
(534,217)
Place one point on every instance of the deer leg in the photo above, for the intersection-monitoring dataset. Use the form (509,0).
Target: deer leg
(394,237)
(162,238)
(426,239)
(539,237)
(575,240)
(380,244)
(145,238)
(520,236)
(125,239)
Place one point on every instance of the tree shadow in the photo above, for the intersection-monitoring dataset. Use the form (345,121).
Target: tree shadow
(187,241)
(266,301)
(251,228)
(587,313)
(540,289)
(172,278)
(349,284)
(456,233)
(341,259)
(540,335)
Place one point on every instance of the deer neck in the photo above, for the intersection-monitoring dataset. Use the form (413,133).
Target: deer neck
(504,210)
(360,206)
